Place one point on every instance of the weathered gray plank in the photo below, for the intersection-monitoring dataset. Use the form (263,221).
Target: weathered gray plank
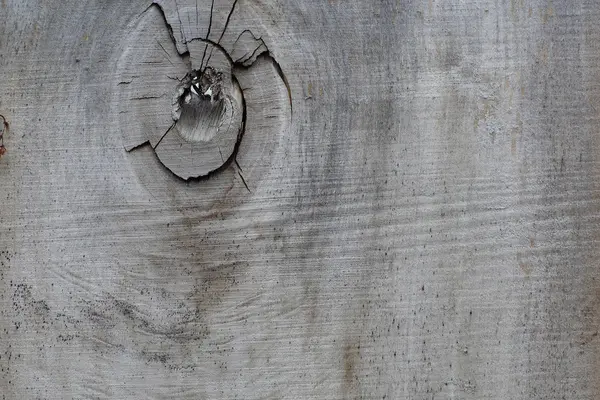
(422,224)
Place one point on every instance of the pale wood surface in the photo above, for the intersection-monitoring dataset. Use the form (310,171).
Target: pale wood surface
(422,224)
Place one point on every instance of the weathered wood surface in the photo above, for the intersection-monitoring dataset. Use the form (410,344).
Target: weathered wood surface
(424,224)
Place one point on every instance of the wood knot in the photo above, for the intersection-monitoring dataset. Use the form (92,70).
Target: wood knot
(184,89)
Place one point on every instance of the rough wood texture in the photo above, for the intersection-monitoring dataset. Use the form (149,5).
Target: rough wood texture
(424,224)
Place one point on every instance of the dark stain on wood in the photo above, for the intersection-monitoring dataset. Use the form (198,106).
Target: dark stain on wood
(351,359)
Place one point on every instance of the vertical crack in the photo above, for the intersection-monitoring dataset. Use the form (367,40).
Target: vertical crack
(227,22)
(164,16)
(284,79)
(244,181)
(180,23)
(212,5)
(3,130)
(166,53)
(165,134)
(208,60)
(239,171)
(208,32)
(203,55)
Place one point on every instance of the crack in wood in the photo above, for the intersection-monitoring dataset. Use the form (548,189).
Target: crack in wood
(228,19)
(4,129)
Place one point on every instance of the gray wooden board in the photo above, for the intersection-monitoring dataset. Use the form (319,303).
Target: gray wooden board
(421,222)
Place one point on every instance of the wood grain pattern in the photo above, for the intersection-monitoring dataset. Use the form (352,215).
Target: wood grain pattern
(423,224)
